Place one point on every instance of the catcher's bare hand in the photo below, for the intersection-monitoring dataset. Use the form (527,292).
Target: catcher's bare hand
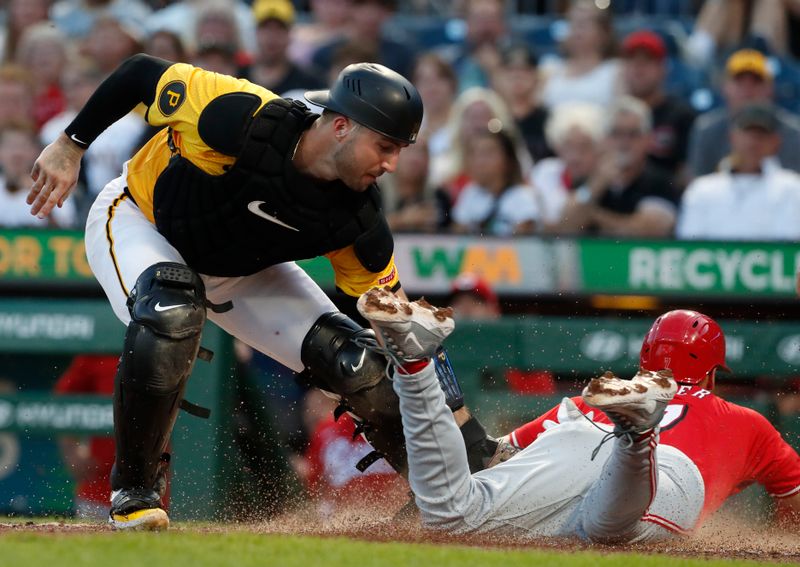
(54,175)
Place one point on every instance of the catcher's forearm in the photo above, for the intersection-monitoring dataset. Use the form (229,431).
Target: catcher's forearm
(133,82)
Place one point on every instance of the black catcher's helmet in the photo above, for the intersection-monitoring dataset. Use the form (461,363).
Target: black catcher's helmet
(377,97)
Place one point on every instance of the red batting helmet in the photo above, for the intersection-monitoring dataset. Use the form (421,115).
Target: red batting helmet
(687,342)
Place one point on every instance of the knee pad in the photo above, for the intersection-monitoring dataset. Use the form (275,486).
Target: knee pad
(167,307)
(170,299)
(333,360)
(335,363)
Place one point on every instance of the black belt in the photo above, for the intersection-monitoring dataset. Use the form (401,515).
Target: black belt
(130,195)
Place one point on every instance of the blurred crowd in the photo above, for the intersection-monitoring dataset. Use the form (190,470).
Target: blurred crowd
(629,118)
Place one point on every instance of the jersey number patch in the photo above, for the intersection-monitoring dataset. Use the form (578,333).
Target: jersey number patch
(171,97)
(672,415)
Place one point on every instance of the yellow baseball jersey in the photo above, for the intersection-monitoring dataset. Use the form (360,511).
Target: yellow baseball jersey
(183,91)
(181,95)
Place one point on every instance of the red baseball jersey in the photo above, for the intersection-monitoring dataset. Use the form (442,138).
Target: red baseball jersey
(731,446)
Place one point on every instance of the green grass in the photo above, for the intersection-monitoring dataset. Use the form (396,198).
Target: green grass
(242,549)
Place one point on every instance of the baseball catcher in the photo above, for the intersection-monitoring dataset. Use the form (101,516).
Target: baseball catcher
(206,221)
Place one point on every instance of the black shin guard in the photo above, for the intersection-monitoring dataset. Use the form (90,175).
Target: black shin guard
(167,308)
(334,363)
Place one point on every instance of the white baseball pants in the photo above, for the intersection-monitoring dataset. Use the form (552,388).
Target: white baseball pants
(272,309)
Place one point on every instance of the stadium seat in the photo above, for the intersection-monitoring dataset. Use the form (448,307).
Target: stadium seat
(543,33)
(787,83)
(429,32)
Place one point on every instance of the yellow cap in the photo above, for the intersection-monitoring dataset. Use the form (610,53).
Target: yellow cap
(748,61)
(281,10)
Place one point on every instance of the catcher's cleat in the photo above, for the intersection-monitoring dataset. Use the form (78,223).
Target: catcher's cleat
(137,510)
(410,330)
(635,406)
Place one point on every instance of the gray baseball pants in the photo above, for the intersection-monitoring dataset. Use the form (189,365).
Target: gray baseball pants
(552,487)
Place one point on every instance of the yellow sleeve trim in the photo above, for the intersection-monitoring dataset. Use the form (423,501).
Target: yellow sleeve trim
(353,278)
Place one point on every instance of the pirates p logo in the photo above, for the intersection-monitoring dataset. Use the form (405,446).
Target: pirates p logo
(171,97)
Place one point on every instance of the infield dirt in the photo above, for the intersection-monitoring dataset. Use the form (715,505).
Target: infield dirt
(722,537)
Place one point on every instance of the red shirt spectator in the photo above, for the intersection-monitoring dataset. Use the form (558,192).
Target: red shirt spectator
(90,464)
(49,102)
(333,477)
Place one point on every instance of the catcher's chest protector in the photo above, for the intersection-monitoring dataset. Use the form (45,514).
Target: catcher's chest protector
(262,211)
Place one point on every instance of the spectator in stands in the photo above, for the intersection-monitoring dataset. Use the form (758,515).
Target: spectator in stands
(496,201)
(272,68)
(20,15)
(747,79)
(218,57)
(644,69)
(724,24)
(476,59)
(216,25)
(752,197)
(576,133)
(367,27)
(474,111)
(111,41)
(437,85)
(517,81)
(471,297)
(417,206)
(182,18)
(719,25)
(42,49)
(587,72)
(346,54)
(16,103)
(89,460)
(167,45)
(329,18)
(18,150)
(101,162)
(626,196)
(75,18)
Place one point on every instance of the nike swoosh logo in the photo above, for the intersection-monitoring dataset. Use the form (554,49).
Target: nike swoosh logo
(255,208)
(75,139)
(158,307)
(411,337)
(360,362)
